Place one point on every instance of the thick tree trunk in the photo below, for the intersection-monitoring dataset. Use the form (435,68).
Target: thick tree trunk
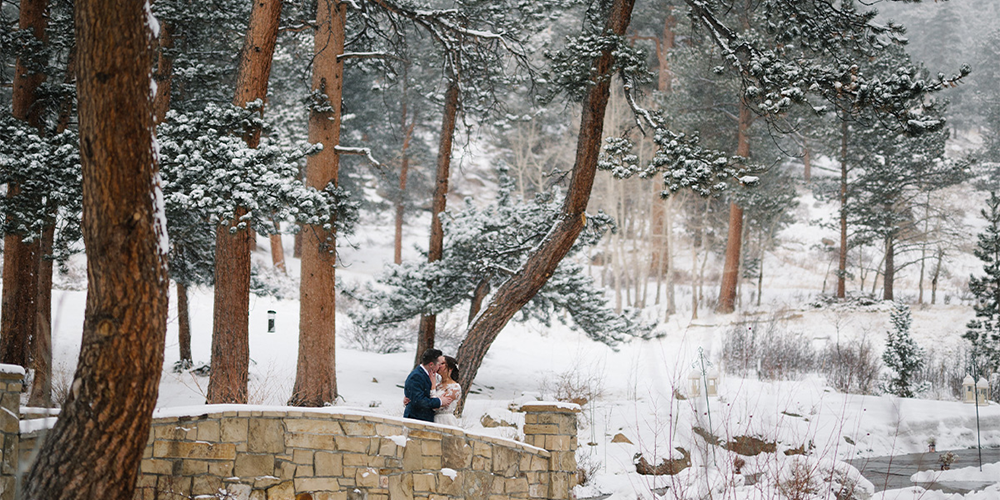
(535,272)
(41,344)
(890,268)
(183,325)
(20,283)
(842,262)
(164,73)
(230,319)
(316,373)
(277,250)
(95,448)
(731,268)
(428,322)
(20,296)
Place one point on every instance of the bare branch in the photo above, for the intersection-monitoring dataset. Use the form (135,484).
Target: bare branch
(366,152)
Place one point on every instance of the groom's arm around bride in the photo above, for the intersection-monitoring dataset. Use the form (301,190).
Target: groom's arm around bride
(418,388)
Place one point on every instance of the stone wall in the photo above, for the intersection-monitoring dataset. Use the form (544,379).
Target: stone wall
(325,454)
(11,383)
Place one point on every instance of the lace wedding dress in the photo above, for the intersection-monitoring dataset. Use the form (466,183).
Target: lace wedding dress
(446,414)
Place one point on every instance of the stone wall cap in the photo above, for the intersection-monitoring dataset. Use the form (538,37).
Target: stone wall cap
(37,424)
(168,415)
(550,406)
(6,369)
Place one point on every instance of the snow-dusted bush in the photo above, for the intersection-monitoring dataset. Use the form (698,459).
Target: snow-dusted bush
(851,367)
(767,349)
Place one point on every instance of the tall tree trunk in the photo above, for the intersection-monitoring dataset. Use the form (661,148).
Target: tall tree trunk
(404,168)
(760,278)
(890,268)
(316,372)
(277,250)
(230,318)
(482,290)
(806,160)
(183,324)
(164,75)
(96,445)
(731,268)
(923,249)
(842,262)
(535,272)
(20,282)
(41,344)
(668,259)
(428,322)
(935,275)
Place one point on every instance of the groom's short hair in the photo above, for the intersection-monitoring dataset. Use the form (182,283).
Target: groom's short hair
(430,355)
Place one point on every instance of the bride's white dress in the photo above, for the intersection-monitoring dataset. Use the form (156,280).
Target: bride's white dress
(446,414)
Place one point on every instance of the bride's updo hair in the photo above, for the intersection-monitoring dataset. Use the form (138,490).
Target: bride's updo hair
(453,366)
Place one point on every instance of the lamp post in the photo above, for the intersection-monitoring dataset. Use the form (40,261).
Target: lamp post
(270,321)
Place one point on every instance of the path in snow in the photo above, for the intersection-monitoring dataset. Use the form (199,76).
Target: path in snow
(889,473)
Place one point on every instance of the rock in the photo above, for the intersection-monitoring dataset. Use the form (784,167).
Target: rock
(620,438)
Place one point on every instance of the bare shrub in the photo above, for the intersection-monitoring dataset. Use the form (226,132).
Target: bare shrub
(767,349)
(944,371)
(799,481)
(851,367)
(383,339)
(587,468)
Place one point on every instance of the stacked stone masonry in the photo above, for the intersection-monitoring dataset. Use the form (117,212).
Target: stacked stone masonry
(331,455)
(11,383)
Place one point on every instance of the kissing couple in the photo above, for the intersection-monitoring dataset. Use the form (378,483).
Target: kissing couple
(431,392)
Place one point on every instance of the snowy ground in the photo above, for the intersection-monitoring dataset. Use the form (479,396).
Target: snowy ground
(631,391)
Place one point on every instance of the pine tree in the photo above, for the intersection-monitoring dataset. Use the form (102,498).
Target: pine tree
(481,248)
(902,355)
(984,331)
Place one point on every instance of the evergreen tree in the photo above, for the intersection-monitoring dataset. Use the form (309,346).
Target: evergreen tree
(984,331)
(902,355)
(482,247)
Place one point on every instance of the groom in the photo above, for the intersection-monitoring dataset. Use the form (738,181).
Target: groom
(418,388)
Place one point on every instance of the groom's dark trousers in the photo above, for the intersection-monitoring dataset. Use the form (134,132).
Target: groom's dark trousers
(418,389)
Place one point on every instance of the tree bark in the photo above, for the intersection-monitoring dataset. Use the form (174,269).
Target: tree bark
(20,296)
(20,282)
(535,272)
(277,250)
(806,161)
(41,342)
(96,445)
(183,324)
(404,169)
(889,276)
(435,249)
(842,262)
(731,268)
(316,375)
(480,293)
(164,73)
(41,345)
(230,318)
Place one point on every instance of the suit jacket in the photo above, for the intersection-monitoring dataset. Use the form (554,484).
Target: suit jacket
(418,389)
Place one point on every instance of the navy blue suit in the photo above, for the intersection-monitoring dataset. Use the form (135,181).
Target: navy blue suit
(418,389)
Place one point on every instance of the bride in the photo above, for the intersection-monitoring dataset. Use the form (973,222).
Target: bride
(447,386)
